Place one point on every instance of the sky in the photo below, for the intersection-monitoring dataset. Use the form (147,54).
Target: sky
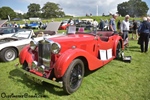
(71,7)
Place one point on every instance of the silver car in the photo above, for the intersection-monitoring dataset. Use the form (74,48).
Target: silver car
(7,31)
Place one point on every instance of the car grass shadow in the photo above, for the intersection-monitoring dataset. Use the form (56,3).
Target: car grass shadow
(18,76)
(133,48)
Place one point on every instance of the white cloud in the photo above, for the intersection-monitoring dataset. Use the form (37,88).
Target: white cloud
(81,7)
(19,11)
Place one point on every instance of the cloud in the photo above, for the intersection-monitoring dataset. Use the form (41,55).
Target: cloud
(81,7)
(19,11)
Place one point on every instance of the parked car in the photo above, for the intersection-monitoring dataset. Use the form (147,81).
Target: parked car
(10,46)
(32,25)
(63,60)
(85,23)
(7,31)
(64,24)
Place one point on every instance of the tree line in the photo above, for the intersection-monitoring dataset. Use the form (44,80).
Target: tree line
(135,8)
(49,10)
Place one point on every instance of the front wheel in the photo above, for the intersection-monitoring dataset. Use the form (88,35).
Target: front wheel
(73,76)
(8,54)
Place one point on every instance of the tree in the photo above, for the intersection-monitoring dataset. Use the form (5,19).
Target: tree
(135,8)
(51,10)
(7,11)
(19,15)
(33,10)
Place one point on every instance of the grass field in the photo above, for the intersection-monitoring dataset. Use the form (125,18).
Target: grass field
(115,81)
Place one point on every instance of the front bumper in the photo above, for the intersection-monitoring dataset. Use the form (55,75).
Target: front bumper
(39,79)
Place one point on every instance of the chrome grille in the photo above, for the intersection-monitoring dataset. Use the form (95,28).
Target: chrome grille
(44,53)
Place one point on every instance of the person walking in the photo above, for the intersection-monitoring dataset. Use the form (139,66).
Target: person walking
(124,29)
(144,31)
(112,23)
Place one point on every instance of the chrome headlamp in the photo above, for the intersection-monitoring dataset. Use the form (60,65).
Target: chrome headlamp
(55,48)
(33,44)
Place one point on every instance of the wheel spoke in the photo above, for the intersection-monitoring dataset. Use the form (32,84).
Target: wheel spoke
(75,76)
(9,55)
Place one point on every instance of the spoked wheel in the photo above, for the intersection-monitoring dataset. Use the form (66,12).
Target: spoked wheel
(8,54)
(73,76)
(118,51)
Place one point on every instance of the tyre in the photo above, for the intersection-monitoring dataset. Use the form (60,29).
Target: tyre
(118,50)
(73,76)
(8,54)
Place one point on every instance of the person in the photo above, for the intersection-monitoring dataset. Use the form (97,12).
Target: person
(124,29)
(15,24)
(88,25)
(144,30)
(40,24)
(71,22)
(26,25)
(95,24)
(118,25)
(112,23)
(101,25)
(106,25)
(148,19)
(134,27)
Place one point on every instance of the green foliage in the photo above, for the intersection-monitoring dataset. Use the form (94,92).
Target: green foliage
(5,11)
(133,8)
(52,10)
(33,10)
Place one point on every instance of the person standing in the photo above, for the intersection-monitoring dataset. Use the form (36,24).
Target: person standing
(148,19)
(134,27)
(101,25)
(95,24)
(112,23)
(125,29)
(118,25)
(144,30)
(71,22)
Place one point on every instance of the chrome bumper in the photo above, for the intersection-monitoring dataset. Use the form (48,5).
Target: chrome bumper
(39,79)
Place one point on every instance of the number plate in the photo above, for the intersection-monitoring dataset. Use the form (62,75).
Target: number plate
(34,79)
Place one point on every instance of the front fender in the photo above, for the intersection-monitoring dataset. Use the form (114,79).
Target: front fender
(25,55)
(68,56)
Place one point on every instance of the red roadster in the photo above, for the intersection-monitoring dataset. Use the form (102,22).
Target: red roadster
(62,60)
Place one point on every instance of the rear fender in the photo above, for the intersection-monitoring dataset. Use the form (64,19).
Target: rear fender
(117,40)
(68,56)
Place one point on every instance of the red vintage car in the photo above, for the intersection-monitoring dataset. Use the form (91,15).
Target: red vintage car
(63,60)
(64,25)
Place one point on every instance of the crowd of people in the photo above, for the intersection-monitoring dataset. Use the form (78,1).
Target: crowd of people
(142,32)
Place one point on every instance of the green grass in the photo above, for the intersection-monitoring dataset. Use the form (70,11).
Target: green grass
(115,81)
